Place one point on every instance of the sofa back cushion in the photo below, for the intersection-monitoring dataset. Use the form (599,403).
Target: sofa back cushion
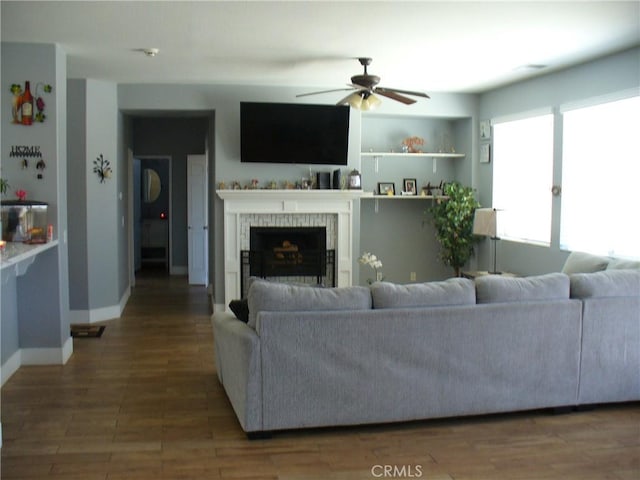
(579,262)
(623,264)
(455,291)
(609,283)
(282,297)
(499,289)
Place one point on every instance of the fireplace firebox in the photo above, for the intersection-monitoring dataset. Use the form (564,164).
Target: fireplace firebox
(297,254)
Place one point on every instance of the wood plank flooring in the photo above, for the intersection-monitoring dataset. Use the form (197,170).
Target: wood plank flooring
(143,402)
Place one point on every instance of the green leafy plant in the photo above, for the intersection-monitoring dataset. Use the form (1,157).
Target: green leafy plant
(453,221)
(4,185)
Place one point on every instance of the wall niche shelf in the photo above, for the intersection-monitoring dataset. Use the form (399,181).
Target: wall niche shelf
(373,196)
(377,156)
(417,155)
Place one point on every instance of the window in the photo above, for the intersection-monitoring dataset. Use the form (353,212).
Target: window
(523,177)
(600,179)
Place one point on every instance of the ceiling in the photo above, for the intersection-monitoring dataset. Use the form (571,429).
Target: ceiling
(430,46)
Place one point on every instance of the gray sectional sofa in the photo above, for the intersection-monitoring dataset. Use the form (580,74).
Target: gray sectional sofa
(312,357)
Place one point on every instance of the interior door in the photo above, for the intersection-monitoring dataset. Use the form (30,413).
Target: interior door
(197,215)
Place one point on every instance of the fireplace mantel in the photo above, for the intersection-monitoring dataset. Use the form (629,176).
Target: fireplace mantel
(283,195)
(287,202)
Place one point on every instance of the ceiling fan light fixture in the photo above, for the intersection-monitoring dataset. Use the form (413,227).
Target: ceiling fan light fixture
(355,100)
(369,102)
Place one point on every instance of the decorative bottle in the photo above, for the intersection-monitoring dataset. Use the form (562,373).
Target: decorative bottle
(27,105)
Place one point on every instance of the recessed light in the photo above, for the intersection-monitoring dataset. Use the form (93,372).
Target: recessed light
(529,67)
(150,52)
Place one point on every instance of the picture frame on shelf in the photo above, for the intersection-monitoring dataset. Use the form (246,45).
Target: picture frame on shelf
(409,186)
(386,188)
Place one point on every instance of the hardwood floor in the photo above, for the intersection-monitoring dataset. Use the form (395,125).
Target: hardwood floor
(143,402)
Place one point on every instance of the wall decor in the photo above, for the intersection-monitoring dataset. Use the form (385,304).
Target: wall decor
(485,130)
(102,168)
(386,188)
(27,108)
(485,153)
(25,151)
(40,166)
(411,144)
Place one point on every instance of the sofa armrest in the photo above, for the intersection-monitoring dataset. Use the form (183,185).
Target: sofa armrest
(237,353)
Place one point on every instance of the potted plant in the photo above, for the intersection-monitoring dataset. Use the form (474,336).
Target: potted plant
(453,221)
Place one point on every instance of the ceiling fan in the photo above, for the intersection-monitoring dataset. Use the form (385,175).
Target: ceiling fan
(364,87)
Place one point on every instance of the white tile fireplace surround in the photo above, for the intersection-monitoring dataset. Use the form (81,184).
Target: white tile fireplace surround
(332,209)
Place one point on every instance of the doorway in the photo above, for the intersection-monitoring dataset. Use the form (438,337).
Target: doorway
(152,213)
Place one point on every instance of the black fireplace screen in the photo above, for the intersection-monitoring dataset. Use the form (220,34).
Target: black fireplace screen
(307,266)
(292,254)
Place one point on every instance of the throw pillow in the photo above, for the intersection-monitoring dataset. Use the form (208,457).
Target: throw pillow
(283,297)
(579,262)
(455,291)
(240,309)
(498,289)
(609,283)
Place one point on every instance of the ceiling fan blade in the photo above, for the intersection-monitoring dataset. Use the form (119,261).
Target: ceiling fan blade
(324,91)
(405,92)
(394,96)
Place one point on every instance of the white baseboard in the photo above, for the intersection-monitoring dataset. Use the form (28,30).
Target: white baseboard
(11,366)
(96,315)
(67,350)
(36,356)
(47,356)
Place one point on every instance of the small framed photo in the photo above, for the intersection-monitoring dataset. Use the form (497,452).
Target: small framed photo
(409,186)
(386,188)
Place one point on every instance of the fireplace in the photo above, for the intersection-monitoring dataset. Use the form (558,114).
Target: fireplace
(243,209)
(296,254)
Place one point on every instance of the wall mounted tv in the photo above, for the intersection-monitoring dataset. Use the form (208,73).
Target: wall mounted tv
(294,133)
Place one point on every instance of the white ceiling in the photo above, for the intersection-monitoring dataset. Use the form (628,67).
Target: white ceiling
(425,45)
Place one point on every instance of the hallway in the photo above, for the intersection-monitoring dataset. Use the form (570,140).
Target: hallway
(143,402)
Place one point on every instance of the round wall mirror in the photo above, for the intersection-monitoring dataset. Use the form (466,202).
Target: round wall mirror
(152,185)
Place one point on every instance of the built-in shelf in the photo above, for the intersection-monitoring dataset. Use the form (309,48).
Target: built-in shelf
(373,196)
(417,155)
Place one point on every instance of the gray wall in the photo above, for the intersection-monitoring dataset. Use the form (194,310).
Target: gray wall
(76,181)
(45,323)
(95,229)
(224,144)
(607,75)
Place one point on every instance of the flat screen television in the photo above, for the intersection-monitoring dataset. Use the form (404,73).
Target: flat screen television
(294,133)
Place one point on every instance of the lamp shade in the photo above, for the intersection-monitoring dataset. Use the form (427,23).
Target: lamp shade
(370,102)
(485,222)
(361,100)
(355,100)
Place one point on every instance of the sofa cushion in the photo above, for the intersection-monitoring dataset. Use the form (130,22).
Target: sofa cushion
(622,264)
(455,291)
(579,262)
(240,309)
(609,283)
(498,289)
(281,297)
